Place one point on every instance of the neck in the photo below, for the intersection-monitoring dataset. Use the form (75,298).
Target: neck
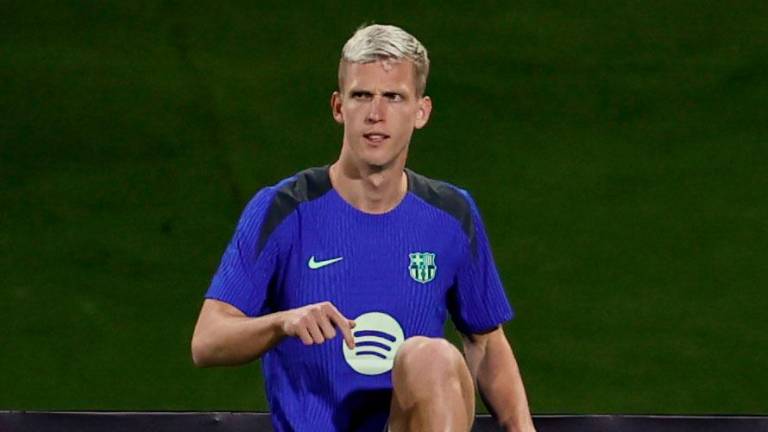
(373,190)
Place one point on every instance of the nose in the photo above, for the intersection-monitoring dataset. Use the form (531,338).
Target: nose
(376,113)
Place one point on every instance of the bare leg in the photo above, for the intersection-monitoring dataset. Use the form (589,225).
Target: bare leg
(433,389)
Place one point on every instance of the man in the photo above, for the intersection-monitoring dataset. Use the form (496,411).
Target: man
(376,254)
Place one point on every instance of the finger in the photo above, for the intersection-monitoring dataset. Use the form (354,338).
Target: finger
(303,334)
(327,328)
(315,332)
(343,325)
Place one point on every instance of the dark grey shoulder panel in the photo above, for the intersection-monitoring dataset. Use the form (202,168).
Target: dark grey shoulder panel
(305,186)
(446,198)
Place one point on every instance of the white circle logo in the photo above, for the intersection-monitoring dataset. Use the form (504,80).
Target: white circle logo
(377,338)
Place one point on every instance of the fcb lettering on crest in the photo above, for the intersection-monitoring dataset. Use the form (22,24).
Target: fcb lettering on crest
(422,267)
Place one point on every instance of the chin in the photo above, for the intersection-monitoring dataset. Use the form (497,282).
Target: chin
(377,165)
(377,161)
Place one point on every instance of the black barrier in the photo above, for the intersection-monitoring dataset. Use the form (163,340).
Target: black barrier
(42,421)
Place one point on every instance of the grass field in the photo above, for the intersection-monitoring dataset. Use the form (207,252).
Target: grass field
(617,151)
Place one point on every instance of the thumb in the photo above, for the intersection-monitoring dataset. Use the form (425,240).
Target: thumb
(351,324)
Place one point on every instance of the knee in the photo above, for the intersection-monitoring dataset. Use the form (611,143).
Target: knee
(421,357)
(432,387)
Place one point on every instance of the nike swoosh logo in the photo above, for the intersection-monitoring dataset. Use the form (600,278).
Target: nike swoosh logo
(314,265)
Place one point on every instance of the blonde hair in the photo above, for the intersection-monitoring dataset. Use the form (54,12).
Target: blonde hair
(379,42)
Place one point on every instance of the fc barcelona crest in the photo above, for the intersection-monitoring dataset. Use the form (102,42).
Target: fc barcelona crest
(422,267)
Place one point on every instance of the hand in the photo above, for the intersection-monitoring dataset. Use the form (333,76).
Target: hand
(316,323)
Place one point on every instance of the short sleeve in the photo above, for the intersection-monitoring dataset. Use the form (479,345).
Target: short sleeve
(477,301)
(245,272)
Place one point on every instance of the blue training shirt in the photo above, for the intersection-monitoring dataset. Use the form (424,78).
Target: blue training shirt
(397,274)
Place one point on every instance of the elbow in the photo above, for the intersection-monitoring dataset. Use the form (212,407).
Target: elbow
(202,352)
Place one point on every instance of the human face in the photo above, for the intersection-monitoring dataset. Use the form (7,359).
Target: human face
(379,109)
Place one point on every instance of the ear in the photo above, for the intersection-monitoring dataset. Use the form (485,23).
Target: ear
(424,110)
(336,107)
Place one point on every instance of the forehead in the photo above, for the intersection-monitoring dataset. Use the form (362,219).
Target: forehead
(381,75)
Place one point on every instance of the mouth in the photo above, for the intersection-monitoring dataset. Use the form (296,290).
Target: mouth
(375,137)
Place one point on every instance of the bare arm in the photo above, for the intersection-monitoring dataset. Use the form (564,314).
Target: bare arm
(224,336)
(494,368)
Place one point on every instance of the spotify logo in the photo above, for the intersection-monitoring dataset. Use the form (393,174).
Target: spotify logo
(377,338)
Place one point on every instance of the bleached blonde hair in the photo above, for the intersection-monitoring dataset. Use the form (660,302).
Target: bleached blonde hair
(382,42)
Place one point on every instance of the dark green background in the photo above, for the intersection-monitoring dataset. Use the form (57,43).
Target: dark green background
(617,150)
